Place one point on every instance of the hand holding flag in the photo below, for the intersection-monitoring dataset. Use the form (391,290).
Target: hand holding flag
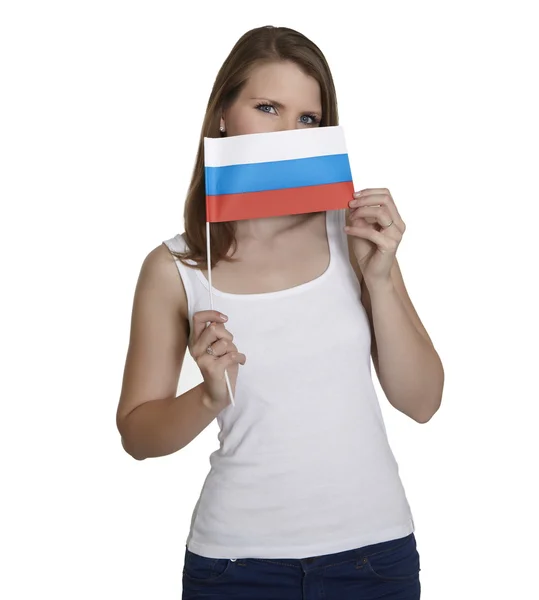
(377,229)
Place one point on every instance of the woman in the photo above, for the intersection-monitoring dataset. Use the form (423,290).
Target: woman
(303,495)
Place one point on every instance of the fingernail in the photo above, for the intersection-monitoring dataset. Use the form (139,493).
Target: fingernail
(224,317)
(357,194)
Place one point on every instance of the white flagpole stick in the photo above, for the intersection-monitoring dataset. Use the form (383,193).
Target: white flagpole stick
(211,303)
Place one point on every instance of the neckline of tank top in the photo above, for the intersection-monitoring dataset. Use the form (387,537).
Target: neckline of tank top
(332,217)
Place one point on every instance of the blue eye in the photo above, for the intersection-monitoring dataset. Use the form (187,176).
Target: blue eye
(314,119)
(264,106)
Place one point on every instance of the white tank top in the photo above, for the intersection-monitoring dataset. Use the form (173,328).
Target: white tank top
(304,467)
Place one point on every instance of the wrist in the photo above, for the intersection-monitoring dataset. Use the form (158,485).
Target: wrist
(207,401)
(380,287)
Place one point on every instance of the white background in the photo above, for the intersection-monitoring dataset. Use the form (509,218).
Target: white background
(101,108)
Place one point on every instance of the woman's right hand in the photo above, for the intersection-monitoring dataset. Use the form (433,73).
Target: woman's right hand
(225,357)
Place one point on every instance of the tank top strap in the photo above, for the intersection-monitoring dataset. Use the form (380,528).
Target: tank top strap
(188,275)
(337,236)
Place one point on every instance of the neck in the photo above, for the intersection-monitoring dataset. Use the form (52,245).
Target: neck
(267,229)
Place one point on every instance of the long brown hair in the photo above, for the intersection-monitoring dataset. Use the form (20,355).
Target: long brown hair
(260,45)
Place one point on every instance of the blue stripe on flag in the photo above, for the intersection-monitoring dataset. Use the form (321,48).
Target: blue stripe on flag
(278,175)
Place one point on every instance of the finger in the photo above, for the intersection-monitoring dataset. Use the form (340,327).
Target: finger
(381,215)
(209,336)
(367,191)
(378,200)
(383,242)
(362,212)
(202,317)
(221,347)
(209,363)
(231,358)
(221,332)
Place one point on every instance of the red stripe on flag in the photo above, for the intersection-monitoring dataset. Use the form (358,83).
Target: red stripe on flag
(276,203)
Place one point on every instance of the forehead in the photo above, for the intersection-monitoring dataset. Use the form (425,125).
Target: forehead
(282,81)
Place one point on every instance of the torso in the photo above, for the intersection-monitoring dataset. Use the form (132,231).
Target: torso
(295,258)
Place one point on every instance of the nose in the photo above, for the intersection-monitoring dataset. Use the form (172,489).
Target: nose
(288,123)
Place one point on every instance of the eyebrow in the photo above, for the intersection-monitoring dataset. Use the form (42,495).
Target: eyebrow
(279,105)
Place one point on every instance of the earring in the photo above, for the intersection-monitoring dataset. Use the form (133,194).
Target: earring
(222,129)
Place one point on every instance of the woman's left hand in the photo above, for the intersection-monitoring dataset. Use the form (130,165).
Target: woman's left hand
(377,229)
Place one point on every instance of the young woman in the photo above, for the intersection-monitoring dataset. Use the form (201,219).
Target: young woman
(303,498)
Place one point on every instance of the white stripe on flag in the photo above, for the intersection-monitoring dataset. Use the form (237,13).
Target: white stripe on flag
(274,146)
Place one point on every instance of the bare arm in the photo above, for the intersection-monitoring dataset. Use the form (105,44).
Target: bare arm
(151,419)
(161,427)
(408,367)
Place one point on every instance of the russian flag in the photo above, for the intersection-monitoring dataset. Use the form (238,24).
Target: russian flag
(279,173)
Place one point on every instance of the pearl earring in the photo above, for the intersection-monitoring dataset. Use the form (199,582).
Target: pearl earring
(222,129)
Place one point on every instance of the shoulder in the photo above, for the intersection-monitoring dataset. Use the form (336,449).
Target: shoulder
(159,273)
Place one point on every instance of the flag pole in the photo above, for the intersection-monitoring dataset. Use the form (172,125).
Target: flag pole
(211,303)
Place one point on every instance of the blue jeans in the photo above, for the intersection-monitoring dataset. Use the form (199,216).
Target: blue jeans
(385,570)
